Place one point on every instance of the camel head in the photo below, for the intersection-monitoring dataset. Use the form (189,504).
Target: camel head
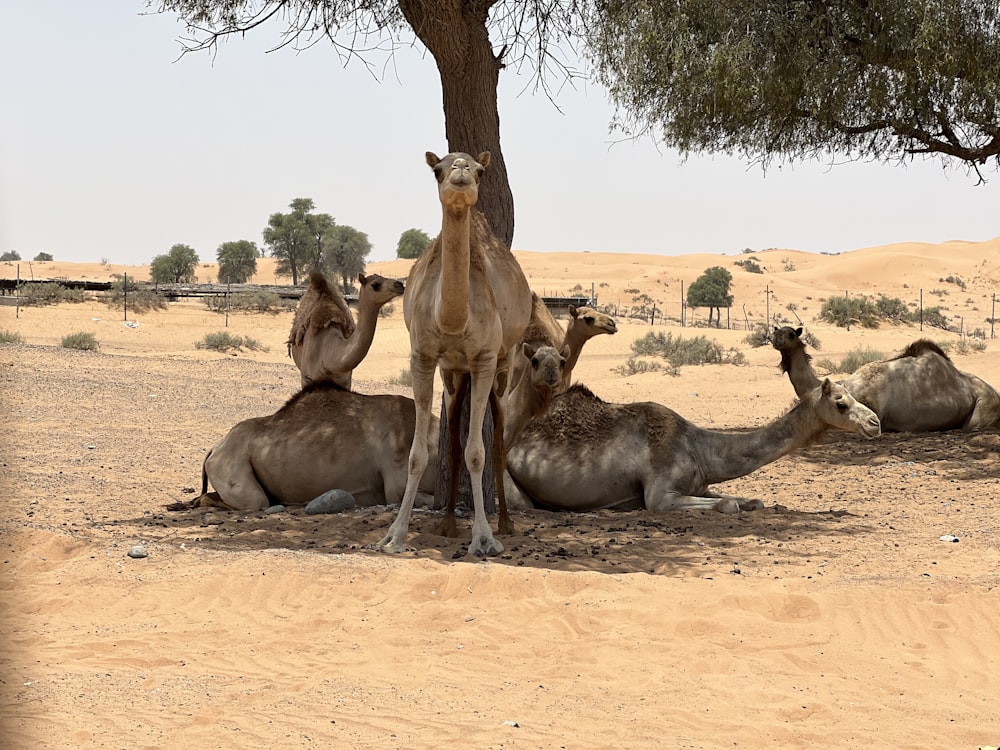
(458,177)
(379,289)
(593,322)
(839,410)
(786,338)
(546,364)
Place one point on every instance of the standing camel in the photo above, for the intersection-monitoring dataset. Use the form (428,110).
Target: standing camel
(920,390)
(586,454)
(324,342)
(466,306)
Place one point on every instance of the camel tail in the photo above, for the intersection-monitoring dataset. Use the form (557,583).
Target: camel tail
(189,504)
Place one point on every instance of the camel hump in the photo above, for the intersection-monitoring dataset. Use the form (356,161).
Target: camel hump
(923,346)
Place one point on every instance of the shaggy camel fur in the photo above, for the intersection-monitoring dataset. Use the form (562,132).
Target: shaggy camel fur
(920,390)
(586,454)
(325,437)
(544,330)
(324,342)
(466,306)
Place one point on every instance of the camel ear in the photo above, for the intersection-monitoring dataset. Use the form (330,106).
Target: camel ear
(573,311)
(528,349)
(361,279)
(827,386)
(432,159)
(798,331)
(776,329)
(484,159)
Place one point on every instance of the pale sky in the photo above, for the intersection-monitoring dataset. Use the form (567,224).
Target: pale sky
(111,147)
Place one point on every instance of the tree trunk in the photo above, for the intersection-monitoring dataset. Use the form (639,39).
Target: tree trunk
(458,39)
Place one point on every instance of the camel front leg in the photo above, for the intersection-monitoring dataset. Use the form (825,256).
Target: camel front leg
(483,543)
(504,525)
(422,375)
(454,403)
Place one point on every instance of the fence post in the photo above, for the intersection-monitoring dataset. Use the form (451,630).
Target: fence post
(125,290)
(228,297)
(767,305)
(17,293)
(683,306)
(921,309)
(993,317)
(847,309)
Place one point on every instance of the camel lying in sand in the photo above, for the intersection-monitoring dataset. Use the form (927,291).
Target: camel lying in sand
(586,454)
(920,390)
(325,437)
(324,342)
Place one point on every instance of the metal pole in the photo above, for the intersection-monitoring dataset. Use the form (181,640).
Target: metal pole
(921,309)
(847,309)
(228,289)
(993,317)
(125,289)
(767,306)
(683,308)
(17,293)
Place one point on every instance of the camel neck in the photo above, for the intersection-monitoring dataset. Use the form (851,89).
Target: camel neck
(361,340)
(729,455)
(455,264)
(800,372)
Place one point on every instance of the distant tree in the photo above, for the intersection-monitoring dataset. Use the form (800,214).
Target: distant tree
(296,238)
(344,253)
(237,261)
(10,255)
(412,243)
(711,290)
(176,267)
(44,256)
(773,79)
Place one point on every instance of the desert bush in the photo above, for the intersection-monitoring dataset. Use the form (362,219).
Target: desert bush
(10,337)
(403,379)
(638,366)
(894,309)
(140,298)
(859,310)
(224,341)
(759,336)
(252,301)
(699,350)
(934,317)
(956,280)
(386,310)
(749,265)
(852,360)
(84,341)
(42,293)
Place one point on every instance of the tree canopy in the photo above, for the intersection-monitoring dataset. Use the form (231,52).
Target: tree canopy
(711,290)
(43,256)
(344,253)
(175,267)
(237,261)
(796,79)
(471,42)
(292,238)
(412,243)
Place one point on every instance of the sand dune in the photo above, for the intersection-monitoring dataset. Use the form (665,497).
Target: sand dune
(835,617)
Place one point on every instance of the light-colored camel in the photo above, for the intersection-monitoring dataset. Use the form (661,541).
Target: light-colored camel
(324,341)
(920,390)
(325,437)
(586,454)
(531,395)
(466,306)
(544,330)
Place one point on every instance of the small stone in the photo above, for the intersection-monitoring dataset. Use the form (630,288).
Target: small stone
(334,501)
(275,509)
(138,552)
(948,538)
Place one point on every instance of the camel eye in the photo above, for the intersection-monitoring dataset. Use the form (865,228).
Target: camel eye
(377,286)
(841,406)
(589,320)
(534,361)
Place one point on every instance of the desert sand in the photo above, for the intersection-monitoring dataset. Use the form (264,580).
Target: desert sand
(835,617)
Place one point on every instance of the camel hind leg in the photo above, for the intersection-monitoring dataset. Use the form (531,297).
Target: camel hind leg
(455,404)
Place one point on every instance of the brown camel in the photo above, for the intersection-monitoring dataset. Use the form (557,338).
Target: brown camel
(920,390)
(586,454)
(544,330)
(466,306)
(325,437)
(530,397)
(324,342)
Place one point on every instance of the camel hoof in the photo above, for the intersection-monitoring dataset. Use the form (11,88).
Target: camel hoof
(485,546)
(752,505)
(389,545)
(727,505)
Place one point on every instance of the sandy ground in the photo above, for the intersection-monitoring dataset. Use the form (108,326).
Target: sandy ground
(835,617)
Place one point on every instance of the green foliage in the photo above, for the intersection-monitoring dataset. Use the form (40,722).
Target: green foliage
(857,311)
(956,280)
(894,309)
(140,299)
(773,80)
(852,360)
(404,379)
(699,350)
(85,341)
(237,261)
(412,243)
(759,336)
(968,346)
(224,341)
(42,293)
(934,317)
(10,255)
(344,253)
(176,267)
(711,290)
(10,337)
(43,257)
(257,301)
(639,366)
(296,238)
(749,265)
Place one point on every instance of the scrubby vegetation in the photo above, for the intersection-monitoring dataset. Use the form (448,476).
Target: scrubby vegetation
(140,298)
(403,379)
(42,293)
(749,265)
(10,337)
(84,340)
(852,360)
(253,301)
(224,341)
(679,351)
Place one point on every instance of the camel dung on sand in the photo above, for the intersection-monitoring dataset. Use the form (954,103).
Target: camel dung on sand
(919,390)
(324,342)
(466,306)
(586,454)
(325,437)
